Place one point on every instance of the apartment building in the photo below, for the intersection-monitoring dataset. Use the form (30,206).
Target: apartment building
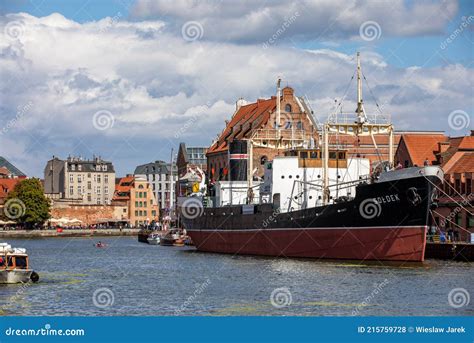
(86,182)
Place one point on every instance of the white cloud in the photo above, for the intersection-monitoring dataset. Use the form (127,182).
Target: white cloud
(154,82)
(256,21)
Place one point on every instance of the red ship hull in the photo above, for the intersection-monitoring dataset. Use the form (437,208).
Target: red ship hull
(355,243)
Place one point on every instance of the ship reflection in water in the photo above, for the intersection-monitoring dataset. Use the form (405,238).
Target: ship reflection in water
(142,280)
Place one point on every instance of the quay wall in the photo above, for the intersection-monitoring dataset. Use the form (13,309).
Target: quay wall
(66,233)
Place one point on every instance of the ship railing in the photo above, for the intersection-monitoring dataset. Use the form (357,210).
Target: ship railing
(351,117)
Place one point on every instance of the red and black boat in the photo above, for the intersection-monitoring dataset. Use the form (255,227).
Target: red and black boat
(387,220)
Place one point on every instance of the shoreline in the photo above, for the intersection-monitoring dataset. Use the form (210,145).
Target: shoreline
(68,233)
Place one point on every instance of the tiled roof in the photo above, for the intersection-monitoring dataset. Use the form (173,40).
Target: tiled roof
(422,146)
(11,168)
(248,117)
(157,167)
(7,185)
(461,162)
(122,189)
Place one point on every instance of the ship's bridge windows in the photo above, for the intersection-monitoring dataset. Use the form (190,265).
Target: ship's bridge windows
(341,155)
(287,108)
(313,154)
(332,155)
(303,154)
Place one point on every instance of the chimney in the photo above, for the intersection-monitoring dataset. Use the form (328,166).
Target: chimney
(239,103)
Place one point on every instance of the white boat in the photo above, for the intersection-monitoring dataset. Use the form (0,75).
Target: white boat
(14,265)
(154,239)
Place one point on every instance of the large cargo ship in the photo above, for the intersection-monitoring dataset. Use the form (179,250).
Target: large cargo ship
(318,202)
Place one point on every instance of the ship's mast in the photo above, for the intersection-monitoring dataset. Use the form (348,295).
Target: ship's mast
(361,118)
(361,127)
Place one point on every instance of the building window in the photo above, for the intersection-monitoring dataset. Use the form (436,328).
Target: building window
(71,178)
(89,175)
(287,108)
(144,204)
(468,186)
(106,190)
(71,190)
(470,220)
(459,219)
(140,187)
(106,178)
(79,178)
(89,185)
(79,167)
(73,167)
(89,197)
(98,178)
(136,213)
(136,203)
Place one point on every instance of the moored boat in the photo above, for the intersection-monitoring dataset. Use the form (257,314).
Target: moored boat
(154,239)
(14,265)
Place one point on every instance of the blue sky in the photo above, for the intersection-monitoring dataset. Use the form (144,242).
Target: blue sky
(133,63)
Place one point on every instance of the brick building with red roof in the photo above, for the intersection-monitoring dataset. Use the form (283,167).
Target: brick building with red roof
(455,155)
(258,121)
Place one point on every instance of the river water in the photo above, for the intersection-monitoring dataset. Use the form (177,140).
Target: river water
(132,278)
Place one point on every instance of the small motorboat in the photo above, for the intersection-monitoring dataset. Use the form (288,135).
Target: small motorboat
(14,265)
(154,239)
(167,240)
(100,245)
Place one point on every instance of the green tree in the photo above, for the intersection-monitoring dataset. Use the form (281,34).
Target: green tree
(27,205)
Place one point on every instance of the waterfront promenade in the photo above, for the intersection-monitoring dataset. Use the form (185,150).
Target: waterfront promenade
(66,233)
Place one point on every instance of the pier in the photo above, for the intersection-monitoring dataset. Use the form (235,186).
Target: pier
(66,233)
(450,251)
